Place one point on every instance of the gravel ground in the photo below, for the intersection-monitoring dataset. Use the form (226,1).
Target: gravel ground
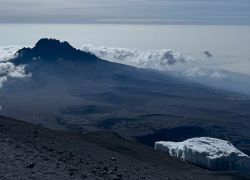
(32,152)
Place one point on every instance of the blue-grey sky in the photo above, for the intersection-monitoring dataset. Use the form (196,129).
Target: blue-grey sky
(224,12)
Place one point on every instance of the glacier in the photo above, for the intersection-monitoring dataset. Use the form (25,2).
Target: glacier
(207,152)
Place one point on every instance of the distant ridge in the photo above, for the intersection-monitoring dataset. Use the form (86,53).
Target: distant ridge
(51,49)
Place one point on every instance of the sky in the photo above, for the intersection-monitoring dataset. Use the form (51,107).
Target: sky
(215,12)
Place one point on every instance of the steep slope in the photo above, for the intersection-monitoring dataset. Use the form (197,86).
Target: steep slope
(29,151)
(73,90)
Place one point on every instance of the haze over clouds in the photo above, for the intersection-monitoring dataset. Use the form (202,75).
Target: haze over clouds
(201,70)
(207,71)
(162,59)
(158,59)
(229,12)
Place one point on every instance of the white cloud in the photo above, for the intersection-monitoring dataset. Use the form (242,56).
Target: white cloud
(163,59)
(3,79)
(7,53)
(202,72)
(154,59)
(8,69)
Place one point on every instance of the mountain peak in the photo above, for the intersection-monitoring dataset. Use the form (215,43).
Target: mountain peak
(50,50)
(46,43)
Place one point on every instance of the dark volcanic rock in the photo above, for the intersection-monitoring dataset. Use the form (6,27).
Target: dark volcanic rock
(51,49)
(31,166)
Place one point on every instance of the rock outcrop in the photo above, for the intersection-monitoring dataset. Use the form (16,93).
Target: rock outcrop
(51,50)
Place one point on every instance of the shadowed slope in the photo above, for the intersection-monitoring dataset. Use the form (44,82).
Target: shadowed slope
(29,151)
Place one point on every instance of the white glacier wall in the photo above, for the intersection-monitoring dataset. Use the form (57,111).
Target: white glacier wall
(211,153)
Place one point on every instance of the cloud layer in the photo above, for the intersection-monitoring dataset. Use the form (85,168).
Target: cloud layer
(154,59)
(162,59)
(8,69)
(203,71)
(234,12)
(7,53)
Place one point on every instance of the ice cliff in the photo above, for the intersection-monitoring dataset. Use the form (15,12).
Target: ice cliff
(211,153)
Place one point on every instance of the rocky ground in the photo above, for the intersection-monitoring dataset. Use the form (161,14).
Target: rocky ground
(32,152)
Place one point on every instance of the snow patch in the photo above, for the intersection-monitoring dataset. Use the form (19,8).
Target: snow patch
(211,153)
